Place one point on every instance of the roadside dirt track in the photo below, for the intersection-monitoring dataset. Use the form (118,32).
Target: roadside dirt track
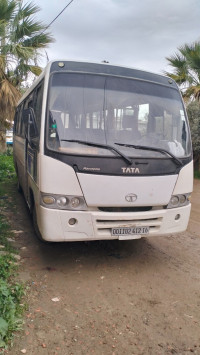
(113,298)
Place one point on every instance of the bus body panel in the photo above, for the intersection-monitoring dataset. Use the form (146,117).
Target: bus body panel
(27,168)
(184,182)
(130,191)
(92,225)
(57,177)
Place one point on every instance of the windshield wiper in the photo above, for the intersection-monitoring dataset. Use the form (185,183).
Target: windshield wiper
(160,150)
(99,145)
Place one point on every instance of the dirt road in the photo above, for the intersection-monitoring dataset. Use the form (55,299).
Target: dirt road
(133,297)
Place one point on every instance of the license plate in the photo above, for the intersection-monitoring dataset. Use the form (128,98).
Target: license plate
(125,231)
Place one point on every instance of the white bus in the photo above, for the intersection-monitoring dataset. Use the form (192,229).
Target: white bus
(103,152)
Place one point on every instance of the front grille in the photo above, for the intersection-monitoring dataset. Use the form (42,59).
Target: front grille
(125,209)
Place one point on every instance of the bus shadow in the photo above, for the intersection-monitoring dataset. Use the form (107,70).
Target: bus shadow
(109,252)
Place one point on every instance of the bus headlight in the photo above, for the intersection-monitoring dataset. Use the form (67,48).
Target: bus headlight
(75,202)
(49,200)
(174,202)
(179,200)
(63,202)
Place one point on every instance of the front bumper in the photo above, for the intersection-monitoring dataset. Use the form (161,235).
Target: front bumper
(92,225)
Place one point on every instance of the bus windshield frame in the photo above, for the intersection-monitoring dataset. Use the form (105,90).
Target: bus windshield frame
(107,110)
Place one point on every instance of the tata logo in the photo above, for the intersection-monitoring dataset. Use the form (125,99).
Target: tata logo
(130,170)
(131,197)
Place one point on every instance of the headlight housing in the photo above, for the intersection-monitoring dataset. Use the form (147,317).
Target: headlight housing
(179,200)
(63,202)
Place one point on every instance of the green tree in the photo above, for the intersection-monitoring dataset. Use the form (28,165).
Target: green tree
(22,40)
(193,110)
(186,70)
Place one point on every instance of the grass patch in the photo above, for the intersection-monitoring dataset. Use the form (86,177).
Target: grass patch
(5,233)
(7,170)
(11,292)
(10,308)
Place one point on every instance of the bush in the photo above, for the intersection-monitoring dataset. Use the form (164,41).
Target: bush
(7,170)
(193,111)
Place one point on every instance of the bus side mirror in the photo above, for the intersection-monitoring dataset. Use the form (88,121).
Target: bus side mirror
(31,130)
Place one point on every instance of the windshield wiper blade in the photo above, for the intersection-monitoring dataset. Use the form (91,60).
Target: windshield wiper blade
(99,145)
(160,150)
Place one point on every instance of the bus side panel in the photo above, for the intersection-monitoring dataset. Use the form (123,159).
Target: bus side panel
(184,182)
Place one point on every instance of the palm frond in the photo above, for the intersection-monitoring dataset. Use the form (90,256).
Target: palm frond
(38,41)
(180,68)
(193,91)
(187,49)
(2,64)
(36,70)
(2,27)
(27,28)
(27,10)
(178,78)
(19,51)
(9,97)
(7,9)
(22,69)
(177,61)
(186,68)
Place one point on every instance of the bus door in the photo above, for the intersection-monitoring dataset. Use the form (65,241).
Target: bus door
(31,145)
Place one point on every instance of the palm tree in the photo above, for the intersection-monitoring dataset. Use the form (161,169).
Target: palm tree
(22,40)
(186,70)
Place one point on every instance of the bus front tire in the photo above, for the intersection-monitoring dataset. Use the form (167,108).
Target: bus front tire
(19,188)
(35,226)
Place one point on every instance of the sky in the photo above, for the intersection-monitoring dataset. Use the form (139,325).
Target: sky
(131,33)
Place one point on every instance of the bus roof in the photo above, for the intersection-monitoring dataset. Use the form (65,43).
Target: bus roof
(101,69)
(108,69)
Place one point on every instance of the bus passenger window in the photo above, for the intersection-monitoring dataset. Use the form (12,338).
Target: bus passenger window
(37,105)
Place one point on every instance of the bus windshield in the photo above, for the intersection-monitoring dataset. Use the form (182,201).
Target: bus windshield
(114,111)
